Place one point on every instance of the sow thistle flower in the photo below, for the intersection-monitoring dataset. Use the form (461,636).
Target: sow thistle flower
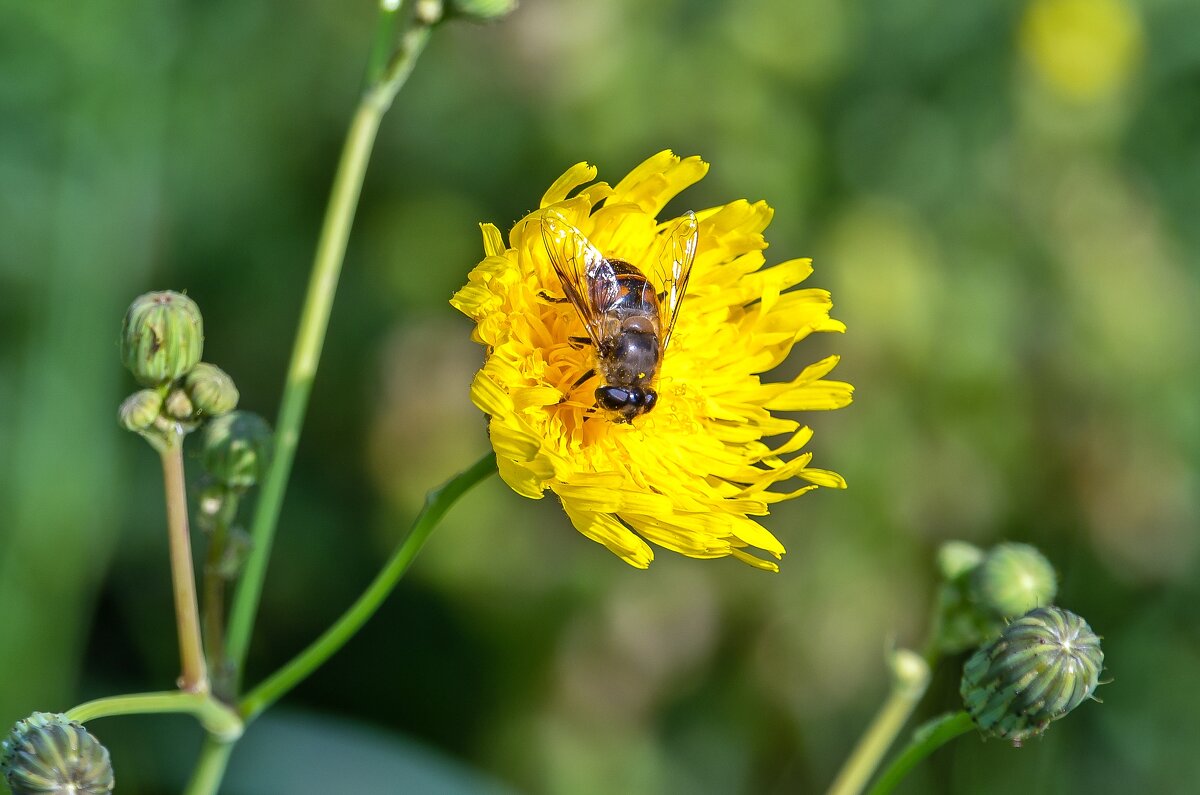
(689,475)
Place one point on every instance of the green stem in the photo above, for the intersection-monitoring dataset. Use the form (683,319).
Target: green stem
(314,320)
(194,678)
(210,767)
(217,719)
(214,595)
(437,502)
(910,678)
(926,740)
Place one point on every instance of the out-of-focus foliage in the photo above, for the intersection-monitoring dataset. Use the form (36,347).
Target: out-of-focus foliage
(1001,194)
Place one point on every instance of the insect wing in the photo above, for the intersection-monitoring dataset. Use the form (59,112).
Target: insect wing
(588,279)
(675,268)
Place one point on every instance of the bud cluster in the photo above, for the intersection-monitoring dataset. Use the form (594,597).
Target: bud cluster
(162,340)
(1034,662)
(982,590)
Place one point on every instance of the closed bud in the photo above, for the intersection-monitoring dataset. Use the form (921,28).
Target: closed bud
(47,754)
(178,405)
(237,448)
(211,389)
(1042,666)
(139,411)
(957,558)
(162,338)
(480,10)
(1012,580)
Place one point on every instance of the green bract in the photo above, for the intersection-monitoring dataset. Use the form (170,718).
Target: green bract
(162,337)
(1042,666)
(47,753)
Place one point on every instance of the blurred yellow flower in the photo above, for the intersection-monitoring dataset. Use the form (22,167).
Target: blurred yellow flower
(688,475)
(1084,49)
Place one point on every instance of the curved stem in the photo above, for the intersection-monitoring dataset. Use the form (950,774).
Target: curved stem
(926,740)
(194,678)
(910,678)
(218,719)
(437,502)
(314,320)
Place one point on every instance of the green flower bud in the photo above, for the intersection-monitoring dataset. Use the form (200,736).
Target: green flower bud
(480,10)
(1013,579)
(237,448)
(178,405)
(140,410)
(47,753)
(1042,666)
(956,558)
(211,389)
(162,338)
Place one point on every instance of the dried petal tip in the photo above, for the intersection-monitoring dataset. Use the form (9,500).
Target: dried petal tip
(237,448)
(1012,580)
(1042,666)
(162,338)
(212,390)
(47,754)
(140,410)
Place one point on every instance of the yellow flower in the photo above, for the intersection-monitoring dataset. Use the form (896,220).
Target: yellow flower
(688,475)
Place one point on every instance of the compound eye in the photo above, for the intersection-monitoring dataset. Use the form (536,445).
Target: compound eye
(649,400)
(613,398)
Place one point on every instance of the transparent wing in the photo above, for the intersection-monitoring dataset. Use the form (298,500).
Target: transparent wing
(675,267)
(588,279)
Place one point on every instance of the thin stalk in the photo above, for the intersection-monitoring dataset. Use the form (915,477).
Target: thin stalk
(210,767)
(214,588)
(218,719)
(437,502)
(314,320)
(910,678)
(926,740)
(194,678)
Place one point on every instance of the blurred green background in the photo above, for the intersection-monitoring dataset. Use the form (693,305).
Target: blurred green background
(1001,194)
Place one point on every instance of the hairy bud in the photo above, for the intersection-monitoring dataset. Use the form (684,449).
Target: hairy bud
(1012,580)
(139,411)
(211,389)
(179,406)
(162,337)
(1042,666)
(47,754)
(237,448)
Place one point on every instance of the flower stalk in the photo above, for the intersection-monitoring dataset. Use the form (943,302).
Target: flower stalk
(194,678)
(314,319)
(214,593)
(910,678)
(437,502)
(218,719)
(927,739)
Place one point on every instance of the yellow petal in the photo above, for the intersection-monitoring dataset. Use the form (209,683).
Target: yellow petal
(571,179)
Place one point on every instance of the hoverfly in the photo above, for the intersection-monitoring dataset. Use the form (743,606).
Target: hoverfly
(629,323)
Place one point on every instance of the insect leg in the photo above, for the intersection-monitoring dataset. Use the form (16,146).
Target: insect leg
(545,296)
(579,342)
(584,378)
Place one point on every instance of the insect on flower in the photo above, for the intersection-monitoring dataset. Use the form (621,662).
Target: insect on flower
(628,321)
